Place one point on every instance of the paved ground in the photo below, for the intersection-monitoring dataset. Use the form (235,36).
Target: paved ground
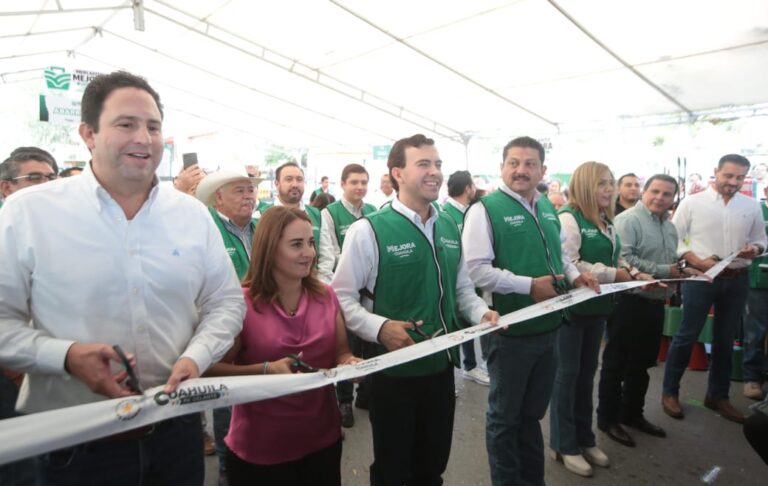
(693,446)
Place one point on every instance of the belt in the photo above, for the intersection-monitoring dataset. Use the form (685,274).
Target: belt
(734,272)
(140,433)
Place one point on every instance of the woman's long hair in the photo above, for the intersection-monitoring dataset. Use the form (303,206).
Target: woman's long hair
(583,191)
(260,278)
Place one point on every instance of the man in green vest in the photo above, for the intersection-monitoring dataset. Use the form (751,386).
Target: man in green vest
(337,218)
(323,189)
(756,323)
(289,182)
(402,268)
(512,247)
(461,192)
(231,200)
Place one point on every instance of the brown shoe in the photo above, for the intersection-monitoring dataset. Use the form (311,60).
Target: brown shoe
(724,408)
(671,406)
(208,448)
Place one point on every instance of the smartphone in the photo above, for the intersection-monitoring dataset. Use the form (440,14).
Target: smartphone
(189,159)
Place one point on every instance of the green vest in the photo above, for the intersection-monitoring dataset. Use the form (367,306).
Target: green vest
(343,219)
(525,247)
(596,247)
(263,206)
(417,282)
(455,214)
(234,246)
(758,277)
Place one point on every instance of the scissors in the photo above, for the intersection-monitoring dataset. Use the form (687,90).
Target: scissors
(132,381)
(301,365)
(417,330)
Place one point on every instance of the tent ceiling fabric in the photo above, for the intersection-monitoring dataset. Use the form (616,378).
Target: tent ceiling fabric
(309,72)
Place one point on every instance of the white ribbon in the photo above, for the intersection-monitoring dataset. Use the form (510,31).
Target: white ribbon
(43,432)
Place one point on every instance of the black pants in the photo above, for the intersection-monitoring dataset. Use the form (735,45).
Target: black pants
(634,334)
(412,425)
(320,467)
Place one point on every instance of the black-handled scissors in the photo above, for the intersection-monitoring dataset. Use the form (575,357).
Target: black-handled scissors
(132,381)
(301,365)
(417,330)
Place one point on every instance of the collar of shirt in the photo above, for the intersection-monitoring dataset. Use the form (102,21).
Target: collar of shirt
(642,208)
(456,204)
(228,222)
(357,211)
(536,195)
(278,202)
(414,216)
(102,197)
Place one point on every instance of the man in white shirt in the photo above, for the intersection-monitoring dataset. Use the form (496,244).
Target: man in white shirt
(405,262)
(512,244)
(145,269)
(289,181)
(385,193)
(712,225)
(337,218)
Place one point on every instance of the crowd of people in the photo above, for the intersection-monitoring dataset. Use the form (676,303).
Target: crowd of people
(204,279)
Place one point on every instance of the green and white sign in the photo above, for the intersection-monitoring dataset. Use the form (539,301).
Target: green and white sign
(381,152)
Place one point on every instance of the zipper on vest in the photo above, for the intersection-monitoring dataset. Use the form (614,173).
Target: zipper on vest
(543,238)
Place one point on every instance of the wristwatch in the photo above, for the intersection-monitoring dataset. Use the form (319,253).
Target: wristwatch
(633,272)
(682,265)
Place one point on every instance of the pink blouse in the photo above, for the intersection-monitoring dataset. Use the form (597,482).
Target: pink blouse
(290,427)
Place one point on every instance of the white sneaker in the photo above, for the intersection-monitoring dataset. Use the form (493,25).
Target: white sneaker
(596,456)
(574,463)
(477,375)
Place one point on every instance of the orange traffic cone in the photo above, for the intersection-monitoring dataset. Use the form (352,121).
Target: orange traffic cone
(698,359)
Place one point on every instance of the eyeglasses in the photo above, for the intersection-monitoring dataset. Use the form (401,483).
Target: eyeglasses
(36,177)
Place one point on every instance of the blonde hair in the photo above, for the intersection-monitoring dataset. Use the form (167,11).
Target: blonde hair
(583,191)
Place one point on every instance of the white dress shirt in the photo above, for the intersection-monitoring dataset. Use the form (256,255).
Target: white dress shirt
(477,241)
(329,227)
(75,270)
(572,246)
(707,226)
(326,260)
(359,267)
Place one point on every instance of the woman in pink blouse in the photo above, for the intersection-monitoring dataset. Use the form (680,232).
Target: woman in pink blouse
(295,439)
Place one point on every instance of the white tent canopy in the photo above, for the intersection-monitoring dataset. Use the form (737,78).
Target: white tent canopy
(365,72)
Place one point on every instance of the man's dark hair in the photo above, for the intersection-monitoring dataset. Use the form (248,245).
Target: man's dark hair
(287,164)
(661,177)
(102,86)
(352,169)
(628,174)
(10,166)
(735,159)
(458,182)
(68,172)
(397,154)
(524,142)
(542,187)
(324,178)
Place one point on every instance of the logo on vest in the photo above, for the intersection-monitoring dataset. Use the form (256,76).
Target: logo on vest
(549,216)
(231,251)
(448,243)
(590,232)
(514,220)
(402,250)
(343,229)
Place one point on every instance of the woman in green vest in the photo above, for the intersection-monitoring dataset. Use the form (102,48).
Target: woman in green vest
(592,244)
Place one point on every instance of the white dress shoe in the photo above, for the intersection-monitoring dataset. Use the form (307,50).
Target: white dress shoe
(596,456)
(574,463)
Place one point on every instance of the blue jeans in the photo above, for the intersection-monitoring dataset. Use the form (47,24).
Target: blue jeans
(171,454)
(468,350)
(570,416)
(755,326)
(522,371)
(728,297)
(221,418)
